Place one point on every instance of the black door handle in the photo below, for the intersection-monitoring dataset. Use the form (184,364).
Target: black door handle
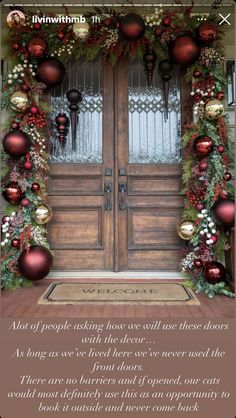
(122,190)
(108,202)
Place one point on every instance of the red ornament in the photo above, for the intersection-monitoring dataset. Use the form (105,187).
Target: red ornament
(227,176)
(27,165)
(15,243)
(199,207)
(203,165)
(221,149)
(36,263)
(197,73)
(207,32)
(198,263)
(184,50)
(166,21)
(37,47)
(16,46)
(37,26)
(34,110)
(197,97)
(224,212)
(220,95)
(203,146)
(25,87)
(60,35)
(12,193)
(214,272)
(158,31)
(132,27)
(107,22)
(16,143)
(214,238)
(5,219)
(15,125)
(24,203)
(50,72)
(35,187)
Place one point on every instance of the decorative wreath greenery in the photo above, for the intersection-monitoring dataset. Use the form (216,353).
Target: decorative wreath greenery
(103,36)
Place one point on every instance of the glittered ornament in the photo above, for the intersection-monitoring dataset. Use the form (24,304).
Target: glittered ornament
(16,143)
(24,202)
(15,243)
(50,71)
(35,187)
(132,27)
(81,30)
(224,212)
(214,109)
(186,230)
(35,263)
(19,101)
(12,193)
(214,272)
(203,146)
(43,214)
(227,176)
(207,32)
(37,48)
(184,50)
(198,263)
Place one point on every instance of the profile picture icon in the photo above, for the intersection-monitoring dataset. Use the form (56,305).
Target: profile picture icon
(15,19)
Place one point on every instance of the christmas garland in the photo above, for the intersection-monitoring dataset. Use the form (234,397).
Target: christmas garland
(39,50)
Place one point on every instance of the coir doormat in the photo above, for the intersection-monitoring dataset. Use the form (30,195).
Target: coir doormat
(118,293)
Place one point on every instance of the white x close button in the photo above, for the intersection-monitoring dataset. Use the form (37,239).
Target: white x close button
(224,19)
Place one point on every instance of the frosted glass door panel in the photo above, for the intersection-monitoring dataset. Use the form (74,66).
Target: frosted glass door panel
(153,138)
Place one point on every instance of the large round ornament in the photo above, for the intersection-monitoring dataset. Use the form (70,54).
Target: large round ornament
(37,47)
(16,143)
(186,230)
(224,212)
(50,72)
(12,192)
(203,146)
(214,109)
(132,27)
(207,32)
(81,30)
(43,214)
(19,101)
(214,272)
(36,263)
(184,50)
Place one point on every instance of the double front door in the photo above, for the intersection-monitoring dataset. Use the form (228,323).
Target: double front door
(116,199)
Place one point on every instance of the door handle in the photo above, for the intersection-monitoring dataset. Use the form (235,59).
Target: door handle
(108,202)
(122,190)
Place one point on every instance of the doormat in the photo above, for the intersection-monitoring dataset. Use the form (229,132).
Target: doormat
(118,293)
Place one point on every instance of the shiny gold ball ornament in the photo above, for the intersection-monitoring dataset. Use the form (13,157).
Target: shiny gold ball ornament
(43,214)
(186,230)
(19,101)
(81,30)
(214,109)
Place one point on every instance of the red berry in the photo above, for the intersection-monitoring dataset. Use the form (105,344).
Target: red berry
(220,95)
(214,238)
(203,165)
(227,176)
(24,202)
(221,148)
(27,165)
(199,207)
(37,26)
(34,110)
(166,21)
(15,125)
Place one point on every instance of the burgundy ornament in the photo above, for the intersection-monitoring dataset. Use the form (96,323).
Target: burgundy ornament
(50,72)
(149,61)
(37,26)
(12,193)
(203,165)
(62,122)
(158,31)
(15,243)
(25,202)
(16,143)
(221,149)
(35,187)
(36,263)
(199,207)
(197,97)
(165,67)
(60,35)
(34,110)
(214,238)
(16,46)
(5,219)
(166,21)
(207,32)
(107,22)
(220,95)
(25,87)
(197,73)
(214,272)
(184,50)
(203,146)
(37,47)
(132,27)
(14,125)
(224,212)
(227,176)
(27,165)
(198,263)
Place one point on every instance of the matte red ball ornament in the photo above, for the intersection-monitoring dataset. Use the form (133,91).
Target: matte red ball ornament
(224,212)
(60,35)
(203,165)
(197,73)
(25,202)
(207,32)
(12,193)
(15,243)
(27,165)
(37,26)
(184,50)
(37,47)
(198,263)
(5,219)
(34,110)
(50,72)
(221,149)
(203,146)
(35,187)
(214,272)
(227,176)
(16,143)
(220,95)
(107,22)
(132,27)
(36,263)
(166,21)
(199,207)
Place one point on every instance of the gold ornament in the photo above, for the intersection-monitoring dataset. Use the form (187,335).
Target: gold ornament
(81,30)
(15,19)
(19,101)
(186,230)
(43,214)
(214,109)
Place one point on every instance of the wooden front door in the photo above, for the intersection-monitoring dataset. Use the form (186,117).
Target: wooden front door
(120,213)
